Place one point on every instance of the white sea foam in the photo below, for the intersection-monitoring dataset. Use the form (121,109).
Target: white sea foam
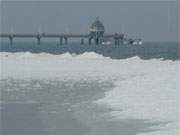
(144,89)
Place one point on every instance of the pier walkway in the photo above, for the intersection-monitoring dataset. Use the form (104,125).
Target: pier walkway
(63,38)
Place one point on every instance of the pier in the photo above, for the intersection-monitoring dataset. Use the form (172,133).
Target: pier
(63,38)
(96,35)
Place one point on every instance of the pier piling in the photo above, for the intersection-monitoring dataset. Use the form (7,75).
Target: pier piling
(60,40)
(96,41)
(82,41)
(66,40)
(38,40)
(11,40)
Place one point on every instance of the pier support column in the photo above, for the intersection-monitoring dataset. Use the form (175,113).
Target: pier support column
(38,40)
(82,41)
(116,38)
(11,40)
(121,39)
(60,40)
(96,41)
(66,40)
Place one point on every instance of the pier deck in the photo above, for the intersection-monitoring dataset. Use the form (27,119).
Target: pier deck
(62,37)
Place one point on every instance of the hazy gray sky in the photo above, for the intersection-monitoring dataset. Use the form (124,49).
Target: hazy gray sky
(149,20)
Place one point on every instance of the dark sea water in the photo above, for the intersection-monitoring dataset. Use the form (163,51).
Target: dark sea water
(59,107)
(145,51)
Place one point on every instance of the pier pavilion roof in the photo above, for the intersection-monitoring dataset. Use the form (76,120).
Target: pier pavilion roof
(97,25)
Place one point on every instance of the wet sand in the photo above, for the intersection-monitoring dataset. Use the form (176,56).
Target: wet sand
(62,107)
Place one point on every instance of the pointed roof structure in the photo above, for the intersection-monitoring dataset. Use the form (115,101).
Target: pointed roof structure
(97,26)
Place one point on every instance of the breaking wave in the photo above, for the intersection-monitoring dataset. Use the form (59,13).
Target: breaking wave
(86,55)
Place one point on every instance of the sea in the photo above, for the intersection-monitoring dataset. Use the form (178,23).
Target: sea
(52,89)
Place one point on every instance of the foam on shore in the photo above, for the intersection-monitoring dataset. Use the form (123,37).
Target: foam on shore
(144,89)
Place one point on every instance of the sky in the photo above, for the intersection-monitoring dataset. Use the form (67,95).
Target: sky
(148,20)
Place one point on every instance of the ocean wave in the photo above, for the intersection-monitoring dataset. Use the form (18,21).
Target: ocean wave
(85,55)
